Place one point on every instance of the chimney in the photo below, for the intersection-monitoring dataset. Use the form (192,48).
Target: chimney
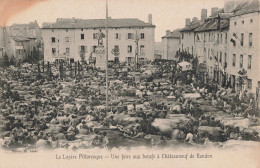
(187,21)
(203,14)
(168,32)
(150,19)
(195,19)
(213,10)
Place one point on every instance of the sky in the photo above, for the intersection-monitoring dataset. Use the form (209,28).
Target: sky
(167,14)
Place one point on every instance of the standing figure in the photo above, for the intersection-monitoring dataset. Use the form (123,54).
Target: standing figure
(100,38)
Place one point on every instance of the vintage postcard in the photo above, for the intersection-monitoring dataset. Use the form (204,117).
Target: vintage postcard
(129,83)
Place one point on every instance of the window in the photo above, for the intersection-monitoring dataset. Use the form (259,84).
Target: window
(241,61)
(94,48)
(182,35)
(250,39)
(235,23)
(198,38)
(221,38)
(220,57)
(116,50)
(225,60)
(67,30)
(242,39)
(243,22)
(204,37)
(233,41)
(81,29)
(53,40)
(142,49)
(218,39)
(82,49)
(67,39)
(209,37)
(117,36)
(67,50)
(225,37)
(95,35)
(82,36)
(251,20)
(142,35)
(52,30)
(208,52)
(249,84)
(53,50)
(130,35)
(249,62)
(129,49)
(234,60)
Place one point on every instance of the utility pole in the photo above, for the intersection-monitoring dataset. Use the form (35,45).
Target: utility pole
(106,55)
(136,54)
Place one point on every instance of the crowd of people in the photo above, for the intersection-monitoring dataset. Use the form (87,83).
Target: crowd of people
(51,105)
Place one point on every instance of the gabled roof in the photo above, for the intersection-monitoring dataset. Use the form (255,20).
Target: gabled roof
(31,25)
(246,7)
(173,34)
(95,23)
(20,34)
(191,27)
(213,23)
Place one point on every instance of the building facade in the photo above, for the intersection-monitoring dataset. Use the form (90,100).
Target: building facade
(19,40)
(228,43)
(158,50)
(188,35)
(211,40)
(171,44)
(243,46)
(76,39)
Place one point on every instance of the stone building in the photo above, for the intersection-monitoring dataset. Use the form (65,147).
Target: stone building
(187,34)
(158,50)
(243,45)
(68,39)
(171,44)
(228,43)
(211,40)
(18,40)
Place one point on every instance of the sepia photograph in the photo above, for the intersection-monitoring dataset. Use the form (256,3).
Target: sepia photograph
(153,83)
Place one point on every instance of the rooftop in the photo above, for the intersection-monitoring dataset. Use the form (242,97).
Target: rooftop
(213,23)
(246,7)
(95,23)
(173,34)
(31,25)
(19,34)
(191,27)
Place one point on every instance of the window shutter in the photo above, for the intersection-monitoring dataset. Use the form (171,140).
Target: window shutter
(133,37)
(119,36)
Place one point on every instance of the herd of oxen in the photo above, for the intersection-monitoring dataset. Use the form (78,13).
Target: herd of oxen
(59,106)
